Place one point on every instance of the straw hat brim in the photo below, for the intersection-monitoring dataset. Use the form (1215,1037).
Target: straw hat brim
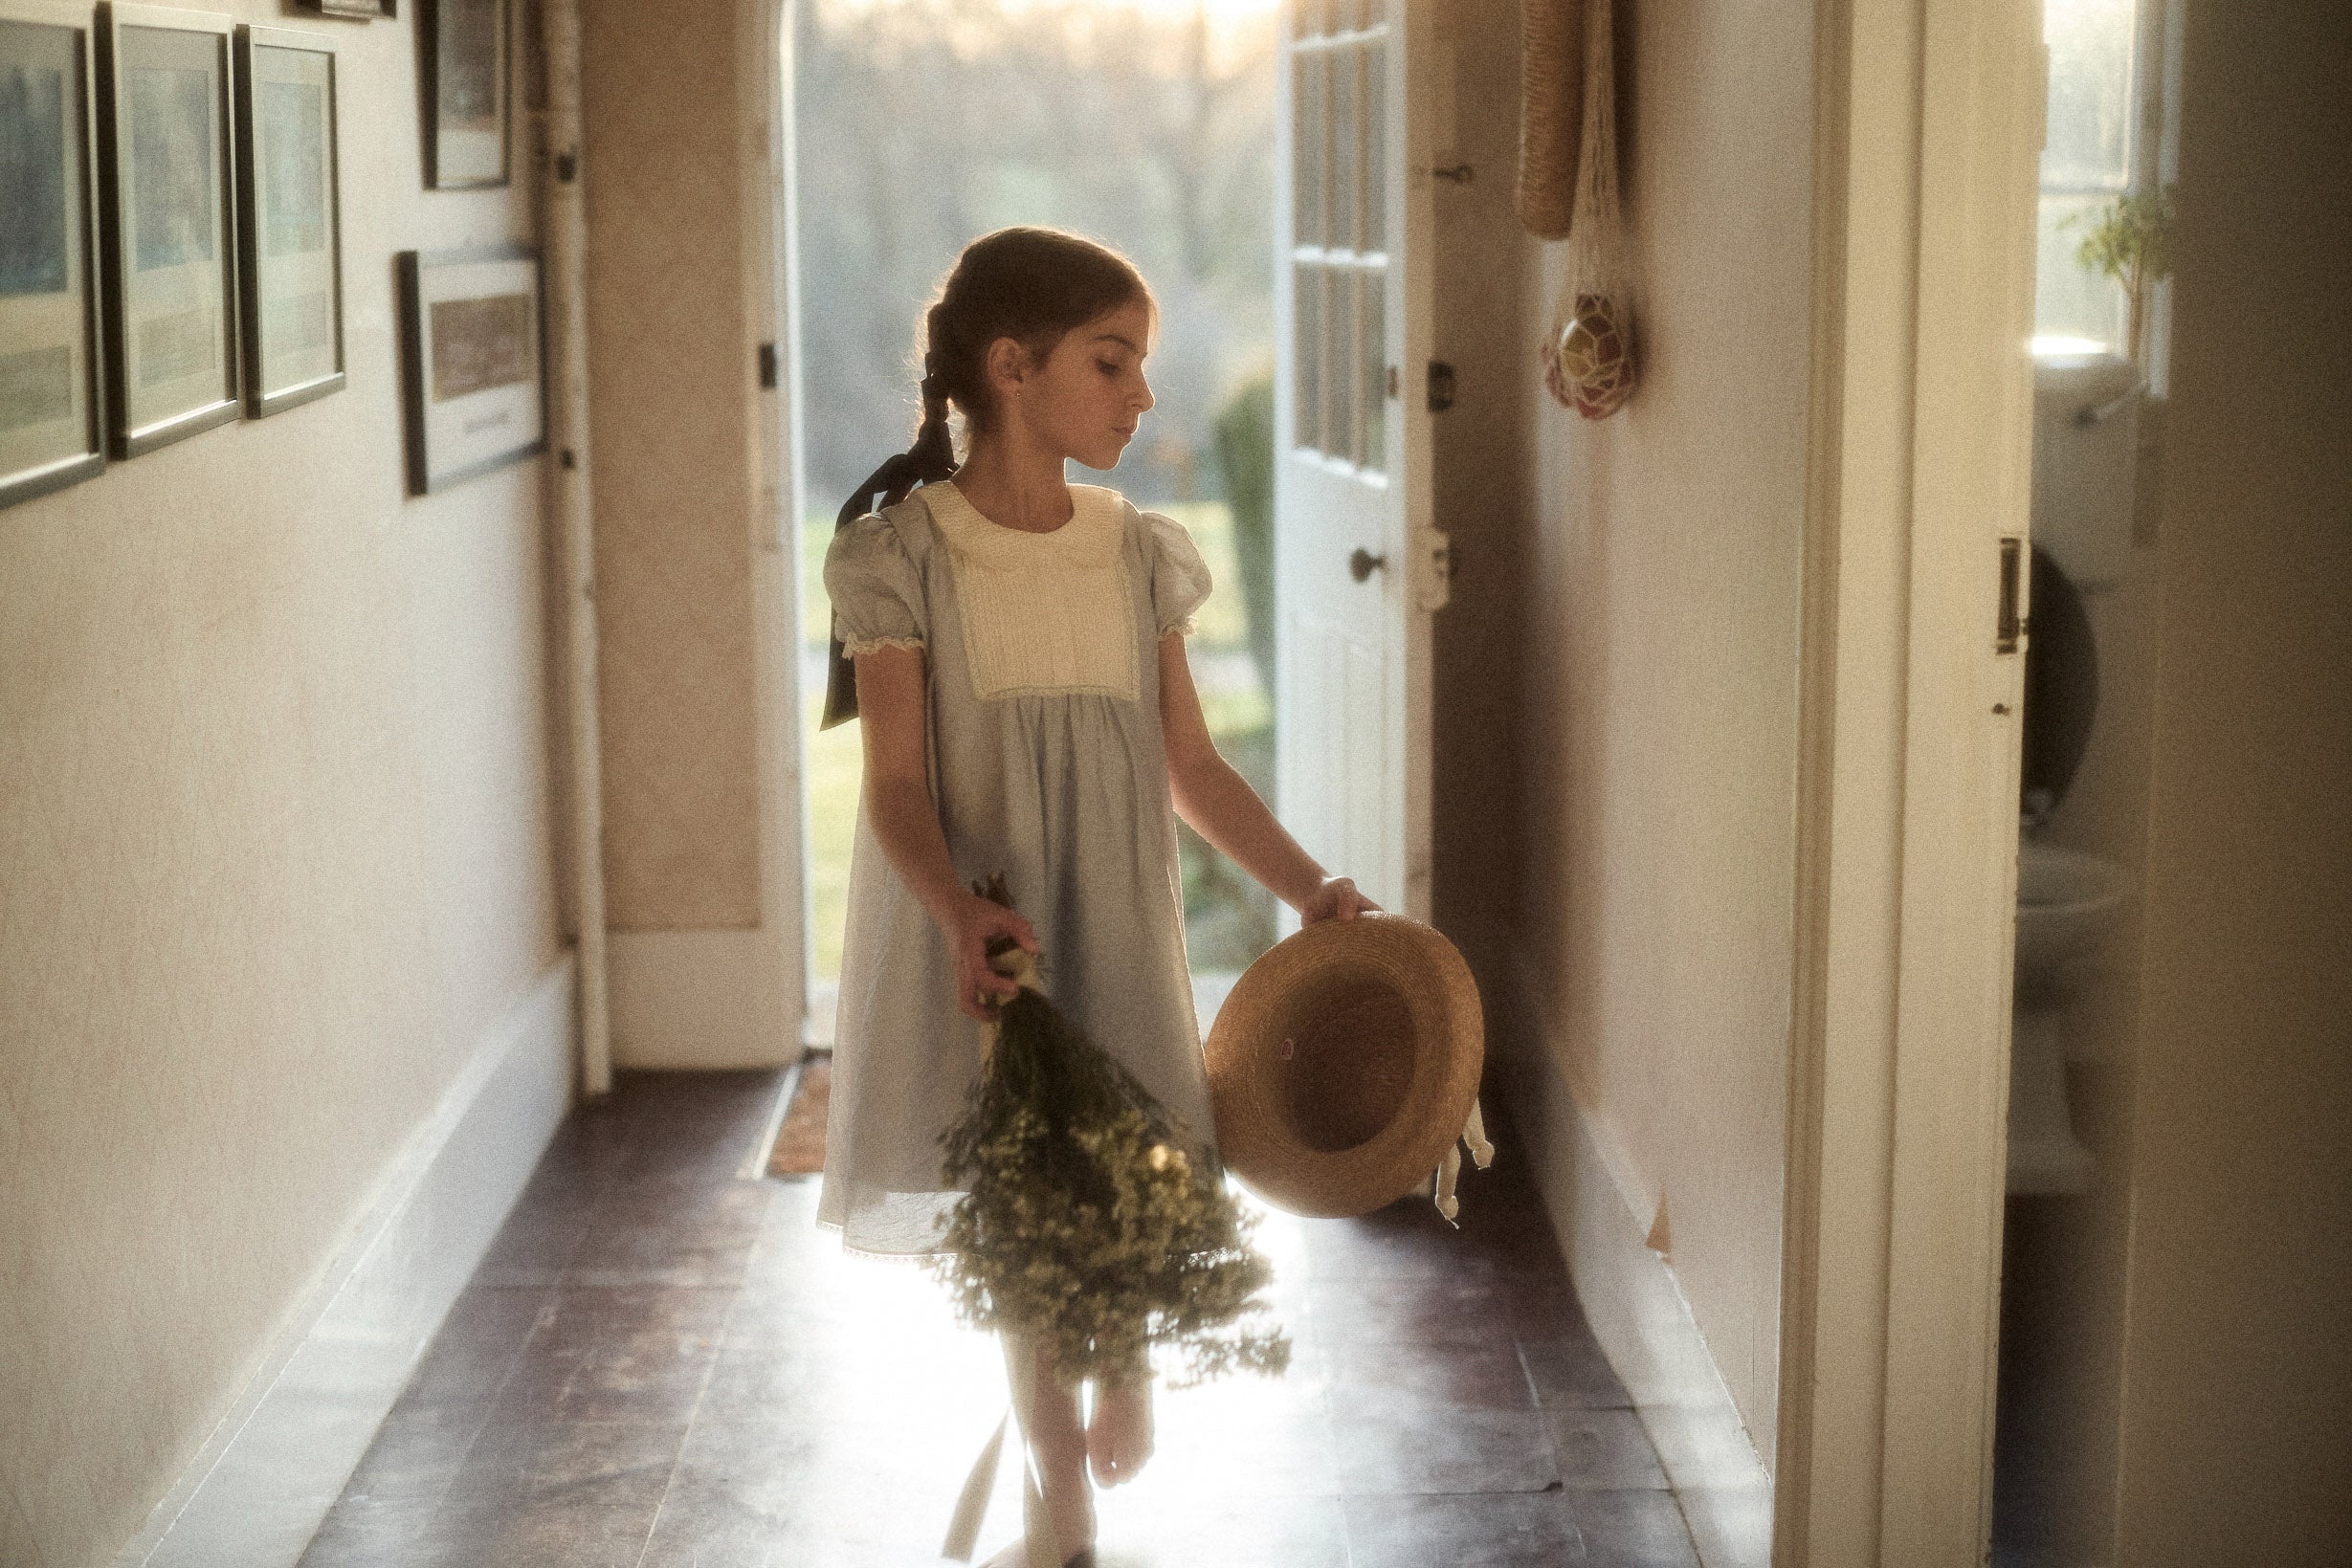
(1343,1063)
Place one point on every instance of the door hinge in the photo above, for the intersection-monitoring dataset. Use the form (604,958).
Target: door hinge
(1438,585)
(2007,624)
(1441,386)
(767,367)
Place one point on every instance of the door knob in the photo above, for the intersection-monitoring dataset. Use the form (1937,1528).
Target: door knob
(1363,564)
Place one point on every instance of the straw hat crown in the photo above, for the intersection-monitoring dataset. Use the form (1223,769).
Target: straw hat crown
(1344,1062)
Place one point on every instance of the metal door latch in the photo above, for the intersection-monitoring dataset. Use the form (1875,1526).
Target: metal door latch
(2007,624)
(1441,386)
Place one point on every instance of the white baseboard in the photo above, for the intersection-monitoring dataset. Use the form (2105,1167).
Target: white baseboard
(701,1000)
(278,1461)
(1640,1316)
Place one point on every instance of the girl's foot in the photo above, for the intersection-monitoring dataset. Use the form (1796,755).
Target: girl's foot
(1119,1433)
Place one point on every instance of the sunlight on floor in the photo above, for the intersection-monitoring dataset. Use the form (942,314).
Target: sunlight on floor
(872,1343)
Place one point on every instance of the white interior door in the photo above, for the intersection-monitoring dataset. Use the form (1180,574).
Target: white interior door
(1358,568)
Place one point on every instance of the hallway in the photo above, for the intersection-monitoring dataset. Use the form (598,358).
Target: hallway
(663,1363)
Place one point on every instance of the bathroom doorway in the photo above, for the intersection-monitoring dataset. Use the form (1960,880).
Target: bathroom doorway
(2101,391)
(2152,1375)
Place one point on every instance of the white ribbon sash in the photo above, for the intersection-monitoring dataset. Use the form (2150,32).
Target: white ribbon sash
(1474,1133)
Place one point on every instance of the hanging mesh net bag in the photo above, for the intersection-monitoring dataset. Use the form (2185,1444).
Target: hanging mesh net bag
(1588,352)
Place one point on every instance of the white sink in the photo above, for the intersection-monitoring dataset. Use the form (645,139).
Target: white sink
(2067,901)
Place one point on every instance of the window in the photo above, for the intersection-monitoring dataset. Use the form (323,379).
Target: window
(2093,154)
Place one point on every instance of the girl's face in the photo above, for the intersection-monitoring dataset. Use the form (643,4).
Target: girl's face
(1086,398)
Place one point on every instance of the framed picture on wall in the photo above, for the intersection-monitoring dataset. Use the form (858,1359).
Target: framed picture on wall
(465,96)
(358,11)
(52,424)
(470,350)
(167,224)
(289,223)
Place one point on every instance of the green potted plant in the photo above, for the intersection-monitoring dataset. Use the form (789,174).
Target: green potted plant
(2131,241)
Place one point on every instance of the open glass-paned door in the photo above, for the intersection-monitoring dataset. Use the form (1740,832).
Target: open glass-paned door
(1358,566)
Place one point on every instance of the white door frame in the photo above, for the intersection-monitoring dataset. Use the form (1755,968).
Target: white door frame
(768,241)
(1927,128)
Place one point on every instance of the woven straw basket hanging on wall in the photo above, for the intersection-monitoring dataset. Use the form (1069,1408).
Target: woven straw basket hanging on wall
(1551,113)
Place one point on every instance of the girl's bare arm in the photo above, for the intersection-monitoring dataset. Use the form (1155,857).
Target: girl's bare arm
(905,822)
(1225,810)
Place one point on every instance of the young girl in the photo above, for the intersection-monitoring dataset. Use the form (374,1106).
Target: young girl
(1019,658)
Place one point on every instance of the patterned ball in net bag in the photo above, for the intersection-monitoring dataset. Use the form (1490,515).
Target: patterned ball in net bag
(1590,368)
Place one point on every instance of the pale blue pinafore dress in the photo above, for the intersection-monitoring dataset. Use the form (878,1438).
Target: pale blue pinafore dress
(1042,703)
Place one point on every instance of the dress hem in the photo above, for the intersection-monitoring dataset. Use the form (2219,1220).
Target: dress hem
(854,1249)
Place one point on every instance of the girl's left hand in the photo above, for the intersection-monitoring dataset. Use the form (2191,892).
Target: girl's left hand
(1336,899)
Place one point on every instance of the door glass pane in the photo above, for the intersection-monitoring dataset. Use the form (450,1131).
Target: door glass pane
(1346,141)
(1372,370)
(1308,359)
(1376,146)
(1310,74)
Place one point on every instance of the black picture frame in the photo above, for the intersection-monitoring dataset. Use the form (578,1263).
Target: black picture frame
(467,116)
(167,237)
(356,11)
(289,217)
(472,354)
(52,384)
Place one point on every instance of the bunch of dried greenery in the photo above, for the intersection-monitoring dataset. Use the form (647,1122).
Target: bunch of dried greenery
(1085,1223)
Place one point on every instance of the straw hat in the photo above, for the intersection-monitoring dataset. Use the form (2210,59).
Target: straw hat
(1344,1062)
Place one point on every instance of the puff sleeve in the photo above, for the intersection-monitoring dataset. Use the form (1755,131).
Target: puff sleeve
(1180,580)
(876,593)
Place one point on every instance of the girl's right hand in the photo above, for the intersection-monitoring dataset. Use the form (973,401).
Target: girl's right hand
(976,921)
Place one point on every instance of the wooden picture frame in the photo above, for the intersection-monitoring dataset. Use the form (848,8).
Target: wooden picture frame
(466,44)
(53,402)
(167,224)
(473,382)
(289,217)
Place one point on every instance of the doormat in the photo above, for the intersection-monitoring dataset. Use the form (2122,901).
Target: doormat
(800,1141)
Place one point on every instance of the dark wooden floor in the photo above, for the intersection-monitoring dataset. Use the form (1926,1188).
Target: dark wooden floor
(663,1364)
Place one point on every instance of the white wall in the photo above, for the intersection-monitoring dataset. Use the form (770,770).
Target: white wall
(2236,1368)
(274,841)
(1652,946)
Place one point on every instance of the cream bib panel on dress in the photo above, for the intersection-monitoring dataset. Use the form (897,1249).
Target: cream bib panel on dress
(1042,613)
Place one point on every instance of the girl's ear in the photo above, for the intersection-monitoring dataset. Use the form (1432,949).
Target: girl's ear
(1008,365)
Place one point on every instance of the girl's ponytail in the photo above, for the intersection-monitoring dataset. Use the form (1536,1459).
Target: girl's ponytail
(932,457)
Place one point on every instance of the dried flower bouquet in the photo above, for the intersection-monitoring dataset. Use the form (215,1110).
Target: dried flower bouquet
(1085,1224)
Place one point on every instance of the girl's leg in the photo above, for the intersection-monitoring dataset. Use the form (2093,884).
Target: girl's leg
(1050,1425)
(1118,1437)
